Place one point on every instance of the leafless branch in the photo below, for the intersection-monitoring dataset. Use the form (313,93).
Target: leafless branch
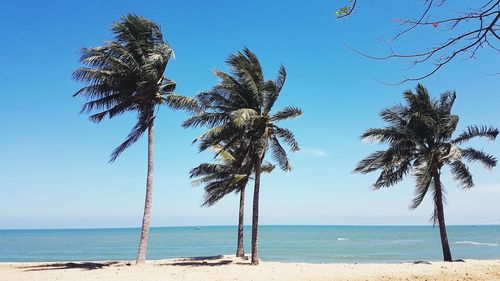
(481,31)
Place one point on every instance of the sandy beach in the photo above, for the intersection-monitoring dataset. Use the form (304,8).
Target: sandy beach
(231,268)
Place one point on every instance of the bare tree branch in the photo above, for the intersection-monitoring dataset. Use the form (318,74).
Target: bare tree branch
(478,29)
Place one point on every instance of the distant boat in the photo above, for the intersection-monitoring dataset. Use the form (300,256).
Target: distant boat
(197,228)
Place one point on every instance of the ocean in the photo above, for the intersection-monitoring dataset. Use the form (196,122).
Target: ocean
(311,244)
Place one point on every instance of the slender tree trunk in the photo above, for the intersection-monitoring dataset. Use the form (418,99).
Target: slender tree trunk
(240,251)
(146,219)
(255,215)
(440,216)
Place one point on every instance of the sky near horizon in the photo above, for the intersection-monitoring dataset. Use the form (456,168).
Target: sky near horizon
(54,170)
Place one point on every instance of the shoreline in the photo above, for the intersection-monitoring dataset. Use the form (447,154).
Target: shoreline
(207,258)
(232,268)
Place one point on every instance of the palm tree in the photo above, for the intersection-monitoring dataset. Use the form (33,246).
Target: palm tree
(239,108)
(126,75)
(230,174)
(419,135)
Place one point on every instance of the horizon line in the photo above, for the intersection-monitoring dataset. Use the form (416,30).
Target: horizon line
(246,225)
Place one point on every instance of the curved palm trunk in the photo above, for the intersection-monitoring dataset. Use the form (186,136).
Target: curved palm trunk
(255,215)
(240,251)
(146,219)
(438,201)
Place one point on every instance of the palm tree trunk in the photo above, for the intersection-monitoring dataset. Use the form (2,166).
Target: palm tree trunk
(438,201)
(240,251)
(146,219)
(255,215)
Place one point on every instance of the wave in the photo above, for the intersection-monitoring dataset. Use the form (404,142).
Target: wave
(343,239)
(477,243)
(408,241)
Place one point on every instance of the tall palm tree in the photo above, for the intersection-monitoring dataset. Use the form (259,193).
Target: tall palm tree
(230,174)
(419,135)
(126,75)
(239,108)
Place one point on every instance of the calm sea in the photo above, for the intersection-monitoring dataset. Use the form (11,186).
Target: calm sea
(315,244)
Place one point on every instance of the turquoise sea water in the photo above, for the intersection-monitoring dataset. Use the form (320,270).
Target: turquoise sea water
(314,244)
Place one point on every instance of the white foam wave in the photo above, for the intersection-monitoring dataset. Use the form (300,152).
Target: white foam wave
(477,243)
(407,241)
(342,239)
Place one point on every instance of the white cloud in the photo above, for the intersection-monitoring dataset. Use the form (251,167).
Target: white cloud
(316,152)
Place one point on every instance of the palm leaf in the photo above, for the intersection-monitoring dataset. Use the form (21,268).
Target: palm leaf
(279,155)
(371,163)
(473,155)
(273,89)
(476,131)
(288,112)
(461,174)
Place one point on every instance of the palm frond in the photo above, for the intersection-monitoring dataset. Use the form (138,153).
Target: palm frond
(420,193)
(447,124)
(287,136)
(392,174)
(227,135)
(222,154)
(383,135)
(106,103)
(461,174)
(233,88)
(248,71)
(107,56)
(472,155)
(142,125)
(476,131)
(273,89)
(446,101)
(217,190)
(176,101)
(111,112)
(279,155)
(244,117)
(288,112)
(423,178)
(209,178)
(371,163)
(267,167)
(207,169)
(209,119)
(395,115)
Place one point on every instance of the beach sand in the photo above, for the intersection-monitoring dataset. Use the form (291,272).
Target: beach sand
(231,268)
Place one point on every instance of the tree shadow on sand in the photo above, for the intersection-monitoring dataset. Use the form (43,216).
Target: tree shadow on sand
(70,265)
(201,261)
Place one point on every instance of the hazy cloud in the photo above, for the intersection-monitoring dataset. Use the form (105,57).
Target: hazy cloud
(313,152)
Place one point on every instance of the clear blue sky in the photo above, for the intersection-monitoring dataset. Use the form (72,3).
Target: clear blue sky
(54,170)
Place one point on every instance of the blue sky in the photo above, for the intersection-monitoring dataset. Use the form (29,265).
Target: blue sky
(54,170)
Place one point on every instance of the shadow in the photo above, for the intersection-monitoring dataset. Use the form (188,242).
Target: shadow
(70,265)
(202,263)
(202,258)
(426,262)
(421,262)
(243,263)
